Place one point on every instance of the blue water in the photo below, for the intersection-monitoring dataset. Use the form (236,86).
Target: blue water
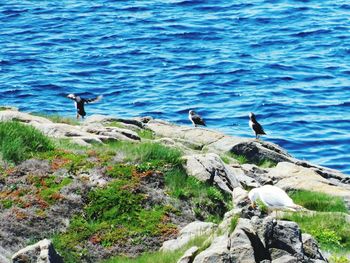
(287,61)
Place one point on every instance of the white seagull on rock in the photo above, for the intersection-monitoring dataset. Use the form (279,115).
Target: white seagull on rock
(273,197)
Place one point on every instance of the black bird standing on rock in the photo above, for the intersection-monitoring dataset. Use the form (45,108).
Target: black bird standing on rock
(195,118)
(255,126)
(80,102)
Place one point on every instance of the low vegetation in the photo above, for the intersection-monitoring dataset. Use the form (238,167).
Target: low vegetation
(119,214)
(19,141)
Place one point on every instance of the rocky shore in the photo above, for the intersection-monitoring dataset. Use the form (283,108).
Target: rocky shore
(31,216)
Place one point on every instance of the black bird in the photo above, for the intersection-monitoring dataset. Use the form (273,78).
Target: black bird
(80,102)
(255,126)
(195,118)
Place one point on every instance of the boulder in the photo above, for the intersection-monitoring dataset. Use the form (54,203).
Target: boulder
(189,255)
(190,231)
(289,176)
(217,252)
(310,246)
(240,245)
(240,197)
(210,168)
(41,252)
(107,119)
(9,115)
(257,151)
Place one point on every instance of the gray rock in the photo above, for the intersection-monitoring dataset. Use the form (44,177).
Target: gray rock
(286,236)
(217,252)
(286,259)
(257,151)
(9,115)
(310,246)
(240,197)
(190,231)
(210,168)
(33,166)
(107,119)
(189,255)
(41,252)
(241,245)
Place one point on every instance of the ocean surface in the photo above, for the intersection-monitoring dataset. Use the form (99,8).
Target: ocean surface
(286,61)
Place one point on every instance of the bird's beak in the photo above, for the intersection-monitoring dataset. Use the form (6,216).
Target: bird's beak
(253,205)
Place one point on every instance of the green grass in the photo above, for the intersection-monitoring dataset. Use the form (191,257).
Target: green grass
(240,158)
(146,154)
(59,119)
(267,163)
(116,124)
(233,223)
(161,257)
(318,201)
(19,142)
(332,231)
(339,259)
(146,134)
(209,202)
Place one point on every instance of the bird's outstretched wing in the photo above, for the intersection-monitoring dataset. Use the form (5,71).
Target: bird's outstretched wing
(93,100)
(198,120)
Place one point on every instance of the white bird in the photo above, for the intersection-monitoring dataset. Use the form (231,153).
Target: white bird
(273,197)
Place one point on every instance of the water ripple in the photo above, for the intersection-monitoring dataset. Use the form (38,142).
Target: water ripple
(287,61)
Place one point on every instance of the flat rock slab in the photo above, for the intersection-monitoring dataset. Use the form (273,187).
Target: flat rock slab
(294,177)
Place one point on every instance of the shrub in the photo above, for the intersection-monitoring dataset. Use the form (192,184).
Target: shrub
(19,142)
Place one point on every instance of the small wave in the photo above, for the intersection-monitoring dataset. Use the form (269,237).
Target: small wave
(312,33)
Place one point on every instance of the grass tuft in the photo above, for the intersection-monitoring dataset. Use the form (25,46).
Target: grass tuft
(233,223)
(19,142)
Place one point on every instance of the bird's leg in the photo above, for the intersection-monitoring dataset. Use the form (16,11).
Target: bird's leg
(77,116)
